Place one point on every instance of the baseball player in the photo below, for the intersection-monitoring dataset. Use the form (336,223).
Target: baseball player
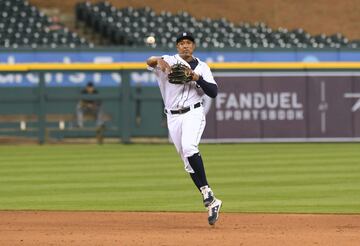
(184,80)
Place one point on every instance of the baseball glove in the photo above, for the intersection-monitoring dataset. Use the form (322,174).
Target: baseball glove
(180,74)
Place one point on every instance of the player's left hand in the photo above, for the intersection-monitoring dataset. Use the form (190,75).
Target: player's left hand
(195,76)
(180,74)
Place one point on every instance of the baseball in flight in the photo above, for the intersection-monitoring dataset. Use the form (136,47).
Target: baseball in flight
(150,40)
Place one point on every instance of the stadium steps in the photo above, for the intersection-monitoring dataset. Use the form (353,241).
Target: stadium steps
(69,21)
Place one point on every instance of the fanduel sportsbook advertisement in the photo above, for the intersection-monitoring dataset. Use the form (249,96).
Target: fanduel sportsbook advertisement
(295,106)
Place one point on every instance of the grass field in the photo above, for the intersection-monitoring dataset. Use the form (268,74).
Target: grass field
(299,178)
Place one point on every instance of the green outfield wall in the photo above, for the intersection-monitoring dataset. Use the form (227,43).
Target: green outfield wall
(283,101)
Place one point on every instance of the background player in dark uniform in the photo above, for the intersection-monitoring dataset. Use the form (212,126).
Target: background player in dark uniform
(89,107)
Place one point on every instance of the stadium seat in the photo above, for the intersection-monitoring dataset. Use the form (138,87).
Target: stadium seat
(130,26)
(24,25)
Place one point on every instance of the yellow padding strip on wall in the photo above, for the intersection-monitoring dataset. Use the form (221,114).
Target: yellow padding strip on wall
(24,67)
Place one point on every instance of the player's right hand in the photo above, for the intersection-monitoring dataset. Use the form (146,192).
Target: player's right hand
(164,66)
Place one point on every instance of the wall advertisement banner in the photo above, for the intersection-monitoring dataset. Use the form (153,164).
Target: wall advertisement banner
(299,106)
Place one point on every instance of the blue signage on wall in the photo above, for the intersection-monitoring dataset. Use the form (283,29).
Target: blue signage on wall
(144,78)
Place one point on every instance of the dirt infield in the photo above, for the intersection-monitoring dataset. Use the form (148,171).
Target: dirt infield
(119,228)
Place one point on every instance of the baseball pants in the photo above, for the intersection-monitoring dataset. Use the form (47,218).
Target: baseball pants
(185,131)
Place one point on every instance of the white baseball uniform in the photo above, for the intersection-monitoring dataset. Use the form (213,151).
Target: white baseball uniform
(186,128)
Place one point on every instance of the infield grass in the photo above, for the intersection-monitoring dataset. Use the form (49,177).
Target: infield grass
(294,177)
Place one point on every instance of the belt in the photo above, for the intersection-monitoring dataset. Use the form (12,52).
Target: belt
(183,110)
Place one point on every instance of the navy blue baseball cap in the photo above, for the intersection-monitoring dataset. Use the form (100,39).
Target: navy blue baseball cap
(185,35)
(90,84)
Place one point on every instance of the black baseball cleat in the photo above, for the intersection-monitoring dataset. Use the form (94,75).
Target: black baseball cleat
(214,210)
